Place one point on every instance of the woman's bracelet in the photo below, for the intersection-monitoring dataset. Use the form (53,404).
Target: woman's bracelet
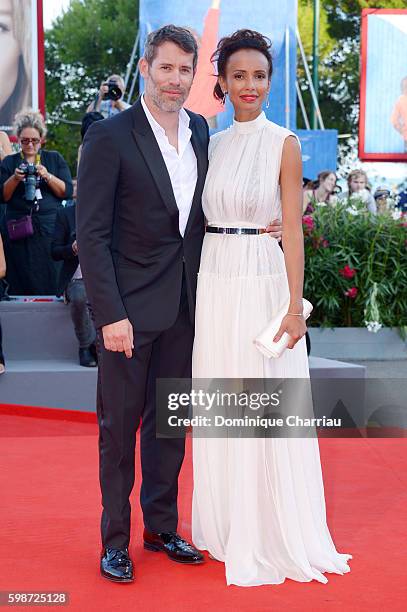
(295,314)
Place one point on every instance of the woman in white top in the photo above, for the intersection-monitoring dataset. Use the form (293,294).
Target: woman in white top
(358,189)
(258,504)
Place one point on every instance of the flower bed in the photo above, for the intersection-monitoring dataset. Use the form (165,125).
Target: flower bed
(356,267)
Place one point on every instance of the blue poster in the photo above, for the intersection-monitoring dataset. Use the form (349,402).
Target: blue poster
(210,20)
(318,148)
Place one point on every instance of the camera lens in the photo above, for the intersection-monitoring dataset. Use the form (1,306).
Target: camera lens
(30,183)
(114,92)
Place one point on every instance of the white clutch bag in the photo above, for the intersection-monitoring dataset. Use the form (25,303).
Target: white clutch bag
(264,340)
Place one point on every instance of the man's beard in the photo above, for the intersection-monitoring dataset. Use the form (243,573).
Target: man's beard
(164,104)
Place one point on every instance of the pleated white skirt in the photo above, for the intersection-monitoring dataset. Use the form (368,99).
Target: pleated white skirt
(258,504)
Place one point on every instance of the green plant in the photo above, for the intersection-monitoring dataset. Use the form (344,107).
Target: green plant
(355,267)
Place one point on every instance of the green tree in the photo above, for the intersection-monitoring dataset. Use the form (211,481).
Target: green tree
(92,39)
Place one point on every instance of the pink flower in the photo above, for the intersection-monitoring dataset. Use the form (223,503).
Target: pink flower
(308,221)
(347,272)
(352,292)
(325,243)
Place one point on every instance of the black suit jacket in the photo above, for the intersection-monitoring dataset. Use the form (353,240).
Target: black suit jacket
(130,248)
(61,247)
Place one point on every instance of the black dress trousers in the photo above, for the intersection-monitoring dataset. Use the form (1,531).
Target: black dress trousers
(126,396)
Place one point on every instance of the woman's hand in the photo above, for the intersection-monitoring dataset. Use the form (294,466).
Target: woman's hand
(19,175)
(55,184)
(43,172)
(295,327)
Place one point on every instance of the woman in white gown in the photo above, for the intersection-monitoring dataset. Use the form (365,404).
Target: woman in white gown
(258,504)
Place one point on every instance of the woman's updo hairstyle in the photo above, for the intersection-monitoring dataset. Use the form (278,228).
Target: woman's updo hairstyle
(241,39)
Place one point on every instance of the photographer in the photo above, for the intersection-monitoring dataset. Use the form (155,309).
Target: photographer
(64,247)
(109,100)
(33,184)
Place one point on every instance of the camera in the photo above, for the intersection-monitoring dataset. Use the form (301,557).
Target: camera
(114,92)
(30,181)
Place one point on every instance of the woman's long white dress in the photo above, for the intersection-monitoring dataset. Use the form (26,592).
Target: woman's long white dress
(258,504)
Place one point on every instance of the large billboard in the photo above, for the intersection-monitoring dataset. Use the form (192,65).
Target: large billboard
(210,20)
(383,89)
(21,59)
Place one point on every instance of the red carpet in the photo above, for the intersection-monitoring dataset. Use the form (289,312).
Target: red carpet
(49,517)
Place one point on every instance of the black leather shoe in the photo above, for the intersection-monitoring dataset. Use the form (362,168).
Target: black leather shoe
(173,545)
(116,565)
(86,359)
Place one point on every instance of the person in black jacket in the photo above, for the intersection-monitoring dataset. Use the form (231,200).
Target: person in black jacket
(30,268)
(70,284)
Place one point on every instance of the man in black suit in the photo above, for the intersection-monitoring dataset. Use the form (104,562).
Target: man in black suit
(70,283)
(140,227)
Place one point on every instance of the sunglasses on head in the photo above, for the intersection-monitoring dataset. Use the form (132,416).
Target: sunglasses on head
(26,141)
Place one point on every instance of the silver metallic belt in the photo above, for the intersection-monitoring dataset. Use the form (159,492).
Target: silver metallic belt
(212,229)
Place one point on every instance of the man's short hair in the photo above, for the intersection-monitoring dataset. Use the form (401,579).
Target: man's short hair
(170,33)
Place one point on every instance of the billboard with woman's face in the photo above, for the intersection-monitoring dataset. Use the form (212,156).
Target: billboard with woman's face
(383,89)
(21,53)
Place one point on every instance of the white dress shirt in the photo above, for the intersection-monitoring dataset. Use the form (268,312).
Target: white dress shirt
(181,165)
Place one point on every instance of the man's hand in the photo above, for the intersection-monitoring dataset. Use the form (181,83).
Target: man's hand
(275,229)
(118,337)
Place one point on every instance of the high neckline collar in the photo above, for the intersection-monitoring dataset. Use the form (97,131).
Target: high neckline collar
(247,127)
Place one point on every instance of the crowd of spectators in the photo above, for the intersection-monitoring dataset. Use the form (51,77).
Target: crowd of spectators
(326,190)
(38,248)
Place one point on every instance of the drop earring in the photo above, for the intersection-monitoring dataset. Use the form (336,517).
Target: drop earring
(225,93)
(268,102)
